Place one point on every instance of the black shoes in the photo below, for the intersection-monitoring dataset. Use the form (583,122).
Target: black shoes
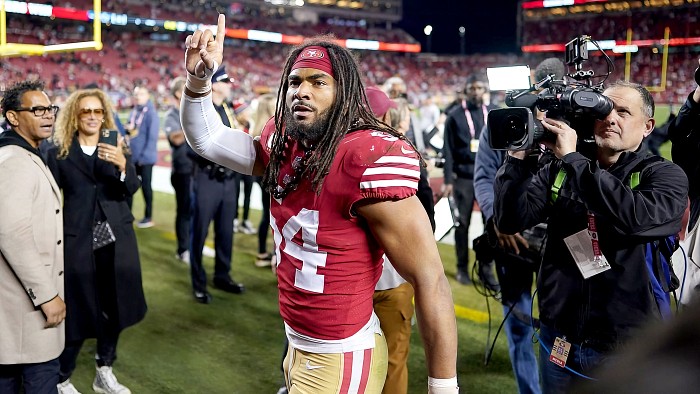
(203,297)
(229,286)
(463,277)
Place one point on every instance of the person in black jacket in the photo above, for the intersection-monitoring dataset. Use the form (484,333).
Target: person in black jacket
(104,294)
(684,133)
(685,136)
(597,215)
(462,130)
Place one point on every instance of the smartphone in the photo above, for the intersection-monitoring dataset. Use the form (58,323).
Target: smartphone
(109,137)
(508,78)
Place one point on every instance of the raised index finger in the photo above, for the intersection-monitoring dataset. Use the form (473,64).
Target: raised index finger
(221,30)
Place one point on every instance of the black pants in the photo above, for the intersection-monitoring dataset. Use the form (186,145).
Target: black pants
(264,227)
(145,172)
(425,195)
(463,190)
(108,326)
(181,183)
(38,378)
(212,199)
(247,190)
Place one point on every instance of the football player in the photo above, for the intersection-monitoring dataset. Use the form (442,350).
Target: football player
(343,193)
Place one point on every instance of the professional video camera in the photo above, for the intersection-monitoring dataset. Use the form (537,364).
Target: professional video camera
(573,98)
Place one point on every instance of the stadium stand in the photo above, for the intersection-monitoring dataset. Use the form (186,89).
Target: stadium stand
(121,64)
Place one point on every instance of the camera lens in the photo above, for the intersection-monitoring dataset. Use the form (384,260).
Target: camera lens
(515,129)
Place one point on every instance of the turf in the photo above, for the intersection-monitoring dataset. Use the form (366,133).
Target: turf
(235,344)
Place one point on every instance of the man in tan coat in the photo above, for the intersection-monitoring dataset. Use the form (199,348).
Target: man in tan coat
(31,247)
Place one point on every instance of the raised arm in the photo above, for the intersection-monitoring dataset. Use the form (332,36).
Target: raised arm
(204,131)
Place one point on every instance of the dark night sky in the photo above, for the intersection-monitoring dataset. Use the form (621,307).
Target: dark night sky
(490,25)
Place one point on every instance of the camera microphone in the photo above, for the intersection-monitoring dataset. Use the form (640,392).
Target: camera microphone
(550,65)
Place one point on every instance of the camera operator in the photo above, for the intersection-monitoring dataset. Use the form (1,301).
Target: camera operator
(684,133)
(514,272)
(604,222)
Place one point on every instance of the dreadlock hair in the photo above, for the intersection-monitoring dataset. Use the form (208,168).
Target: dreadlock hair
(350,112)
(12,98)
(68,119)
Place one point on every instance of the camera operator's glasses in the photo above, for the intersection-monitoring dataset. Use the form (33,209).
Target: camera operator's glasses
(40,111)
(97,112)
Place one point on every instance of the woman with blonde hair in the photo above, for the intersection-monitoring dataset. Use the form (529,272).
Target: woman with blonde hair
(264,110)
(104,294)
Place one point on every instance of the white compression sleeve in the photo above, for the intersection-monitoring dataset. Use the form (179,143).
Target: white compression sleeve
(211,139)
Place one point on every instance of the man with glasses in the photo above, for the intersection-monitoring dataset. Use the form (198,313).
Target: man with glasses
(31,251)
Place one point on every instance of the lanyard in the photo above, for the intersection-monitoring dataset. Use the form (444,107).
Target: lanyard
(231,119)
(593,233)
(138,121)
(470,121)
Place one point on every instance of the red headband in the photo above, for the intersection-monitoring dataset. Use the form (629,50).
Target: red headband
(314,57)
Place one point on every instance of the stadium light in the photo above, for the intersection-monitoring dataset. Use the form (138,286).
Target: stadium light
(462,40)
(427,30)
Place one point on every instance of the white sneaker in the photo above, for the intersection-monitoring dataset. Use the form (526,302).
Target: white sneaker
(106,383)
(145,223)
(236,227)
(247,228)
(184,257)
(208,252)
(67,388)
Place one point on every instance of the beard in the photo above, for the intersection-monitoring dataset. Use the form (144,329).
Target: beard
(311,133)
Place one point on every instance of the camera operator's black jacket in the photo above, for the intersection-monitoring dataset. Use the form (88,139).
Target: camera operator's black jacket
(604,310)
(684,133)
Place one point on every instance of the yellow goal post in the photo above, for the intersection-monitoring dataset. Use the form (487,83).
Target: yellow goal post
(16,49)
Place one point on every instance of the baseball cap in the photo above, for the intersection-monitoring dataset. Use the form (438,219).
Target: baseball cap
(379,102)
(221,76)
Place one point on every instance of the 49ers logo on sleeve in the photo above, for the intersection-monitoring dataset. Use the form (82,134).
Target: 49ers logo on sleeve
(384,136)
(310,53)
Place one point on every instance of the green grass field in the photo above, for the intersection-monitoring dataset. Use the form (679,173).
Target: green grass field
(234,344)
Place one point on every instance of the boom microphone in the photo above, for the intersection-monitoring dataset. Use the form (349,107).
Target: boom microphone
(550,65)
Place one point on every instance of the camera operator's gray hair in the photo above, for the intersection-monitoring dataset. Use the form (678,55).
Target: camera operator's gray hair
(647,100)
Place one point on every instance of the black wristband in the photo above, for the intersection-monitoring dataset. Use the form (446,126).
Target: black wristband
(697,76)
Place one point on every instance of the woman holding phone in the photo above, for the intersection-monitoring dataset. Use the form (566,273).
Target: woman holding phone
(104,294)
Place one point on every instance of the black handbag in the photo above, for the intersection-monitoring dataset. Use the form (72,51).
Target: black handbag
(102,235)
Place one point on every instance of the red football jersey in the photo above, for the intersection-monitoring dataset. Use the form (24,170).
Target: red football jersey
(329,262)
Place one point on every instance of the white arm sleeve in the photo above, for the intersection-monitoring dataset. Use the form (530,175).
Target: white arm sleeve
(211,139)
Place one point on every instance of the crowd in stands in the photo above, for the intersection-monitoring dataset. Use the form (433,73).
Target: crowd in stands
(645,25)
(244,18)
(132,57)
